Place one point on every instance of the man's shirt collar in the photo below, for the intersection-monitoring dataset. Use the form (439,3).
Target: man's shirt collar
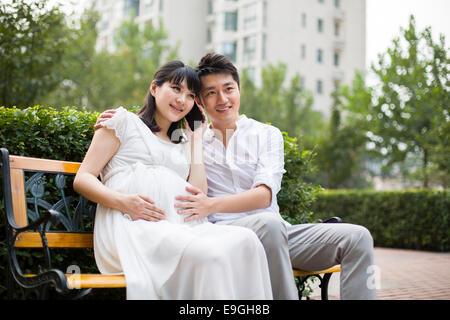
(242,123)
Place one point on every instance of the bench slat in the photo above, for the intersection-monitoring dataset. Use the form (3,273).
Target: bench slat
(18,197)
(82,281)
(55,240)
(89,280)
(25,163)
(301,273)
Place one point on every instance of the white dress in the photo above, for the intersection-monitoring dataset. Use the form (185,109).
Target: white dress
(170,259)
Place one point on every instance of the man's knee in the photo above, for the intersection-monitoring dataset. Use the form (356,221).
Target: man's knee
(362,238)
(272,231)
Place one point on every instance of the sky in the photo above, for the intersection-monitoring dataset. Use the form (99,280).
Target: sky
(385,17)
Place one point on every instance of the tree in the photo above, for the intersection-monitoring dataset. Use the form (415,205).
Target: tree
(440,168)
(33,41)
(102,79)
(87,76)
(413,99)
(286,107)
(139,51)
(341,151)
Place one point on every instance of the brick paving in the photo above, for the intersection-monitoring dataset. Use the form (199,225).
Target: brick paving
(413,275)
(407,275)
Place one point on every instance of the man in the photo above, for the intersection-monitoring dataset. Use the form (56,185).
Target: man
(244,162)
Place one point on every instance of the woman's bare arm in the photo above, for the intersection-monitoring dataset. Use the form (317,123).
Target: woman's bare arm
(103,147)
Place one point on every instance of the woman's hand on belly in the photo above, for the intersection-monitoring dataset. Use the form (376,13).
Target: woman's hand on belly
(140,207)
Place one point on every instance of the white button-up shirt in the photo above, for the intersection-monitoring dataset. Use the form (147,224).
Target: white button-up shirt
(254,156)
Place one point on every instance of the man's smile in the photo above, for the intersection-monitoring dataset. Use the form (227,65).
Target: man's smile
(223,109)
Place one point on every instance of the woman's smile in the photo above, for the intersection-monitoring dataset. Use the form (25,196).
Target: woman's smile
(176,109)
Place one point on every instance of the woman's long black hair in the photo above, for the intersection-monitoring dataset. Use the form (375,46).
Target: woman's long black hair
(174,72)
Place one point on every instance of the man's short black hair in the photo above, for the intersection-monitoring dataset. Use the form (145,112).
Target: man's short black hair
(213,63)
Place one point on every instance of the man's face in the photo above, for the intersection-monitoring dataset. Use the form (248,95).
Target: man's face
(220,97)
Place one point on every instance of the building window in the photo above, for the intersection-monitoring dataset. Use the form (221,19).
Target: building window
(251,72)
(303,51)
(250,16)
(161,5)
(320,25)
(149,5)
(229,49)
(304,20)
(210,7)
(209,35)
(131,5)
(321,1)
(104,24)
(319,55)
(337,28)
(337,3)
(319,86)
(336,59)
(302,83)
(230,21)
(249,48)
(263,47)
(336,84)
(264,21)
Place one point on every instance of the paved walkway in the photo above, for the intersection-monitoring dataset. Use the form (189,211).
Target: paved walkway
(407,275)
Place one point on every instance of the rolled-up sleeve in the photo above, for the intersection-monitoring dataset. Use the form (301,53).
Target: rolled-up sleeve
(270,165)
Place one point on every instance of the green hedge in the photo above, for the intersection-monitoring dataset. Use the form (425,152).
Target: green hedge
(65,134)
(60,134)
(412,219)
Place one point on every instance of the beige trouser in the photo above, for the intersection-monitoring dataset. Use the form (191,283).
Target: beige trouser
(314,246)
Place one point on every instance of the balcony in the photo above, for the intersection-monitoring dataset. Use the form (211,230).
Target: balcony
(338,74)
(338,45)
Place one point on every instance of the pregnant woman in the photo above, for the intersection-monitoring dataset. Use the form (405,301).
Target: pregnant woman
(144,161)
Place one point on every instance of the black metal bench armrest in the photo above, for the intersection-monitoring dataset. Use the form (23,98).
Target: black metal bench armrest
(333,220)
(53,276)
(51,216)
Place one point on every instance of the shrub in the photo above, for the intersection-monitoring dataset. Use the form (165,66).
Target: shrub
(411,219)
(63,134)
(296,196)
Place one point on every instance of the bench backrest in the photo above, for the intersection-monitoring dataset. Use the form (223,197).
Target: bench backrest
(27,184)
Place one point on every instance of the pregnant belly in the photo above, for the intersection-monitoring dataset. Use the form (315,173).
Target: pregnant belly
(158,183)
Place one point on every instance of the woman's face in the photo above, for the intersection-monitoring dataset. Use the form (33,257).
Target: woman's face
(173,101)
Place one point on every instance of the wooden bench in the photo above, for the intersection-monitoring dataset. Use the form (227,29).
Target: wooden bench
(63,221)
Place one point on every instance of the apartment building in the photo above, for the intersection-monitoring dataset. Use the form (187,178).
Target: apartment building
(321,40)
(185,21)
